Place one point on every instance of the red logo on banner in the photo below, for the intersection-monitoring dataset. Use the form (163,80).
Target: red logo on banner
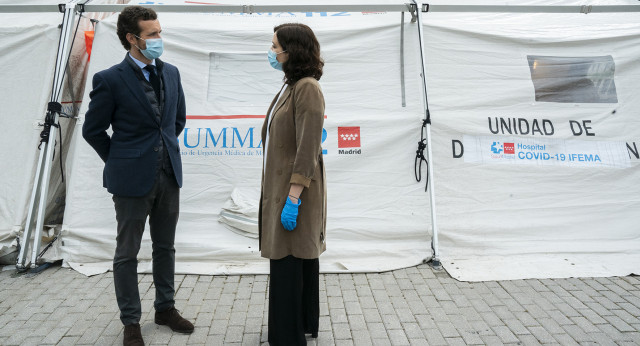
(349,137)
(509,148)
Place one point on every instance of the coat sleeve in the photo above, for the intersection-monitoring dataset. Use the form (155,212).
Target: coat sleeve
(98,117)
(181,116)
(309,119)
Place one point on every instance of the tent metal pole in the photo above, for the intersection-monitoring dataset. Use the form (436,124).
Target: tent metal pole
(585,9)
(427,120)
(402,84)
(38,202)
(249,9)
(21,264)
(31,8)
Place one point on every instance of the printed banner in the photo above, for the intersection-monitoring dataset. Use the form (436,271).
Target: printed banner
(551,152)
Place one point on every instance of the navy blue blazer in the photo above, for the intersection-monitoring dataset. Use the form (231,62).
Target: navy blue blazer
(130,153)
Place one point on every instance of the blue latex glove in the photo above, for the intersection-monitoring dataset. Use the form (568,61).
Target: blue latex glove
(289,214)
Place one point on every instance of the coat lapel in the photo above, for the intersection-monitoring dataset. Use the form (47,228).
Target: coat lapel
(279,104)
(133,84)
(283,98)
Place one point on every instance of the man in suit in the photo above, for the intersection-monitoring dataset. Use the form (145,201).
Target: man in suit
(141,99)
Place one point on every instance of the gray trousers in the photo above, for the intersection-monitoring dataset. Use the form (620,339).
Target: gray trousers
(162,206)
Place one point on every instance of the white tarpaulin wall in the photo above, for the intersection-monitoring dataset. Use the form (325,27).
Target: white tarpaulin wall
(559,195)
(28,43)
(377,213)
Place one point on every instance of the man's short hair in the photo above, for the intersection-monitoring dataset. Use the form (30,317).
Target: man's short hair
(128,22)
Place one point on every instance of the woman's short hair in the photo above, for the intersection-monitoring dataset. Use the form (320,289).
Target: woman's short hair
(304,52)
(128,22)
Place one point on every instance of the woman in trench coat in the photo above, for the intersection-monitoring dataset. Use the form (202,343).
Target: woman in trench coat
(292,215)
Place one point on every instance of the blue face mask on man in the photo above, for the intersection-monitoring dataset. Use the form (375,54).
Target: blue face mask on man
(273,59)
(154,49)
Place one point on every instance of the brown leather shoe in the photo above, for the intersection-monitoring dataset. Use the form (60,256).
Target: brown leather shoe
(173,319)
(132,335)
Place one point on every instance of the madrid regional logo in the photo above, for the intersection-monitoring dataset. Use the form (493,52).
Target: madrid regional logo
(349,137)
(507,148)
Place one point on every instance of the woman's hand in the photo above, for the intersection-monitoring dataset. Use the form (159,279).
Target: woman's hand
(289,214)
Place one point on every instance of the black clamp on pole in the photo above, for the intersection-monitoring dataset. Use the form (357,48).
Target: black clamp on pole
(53,108)
(422,145)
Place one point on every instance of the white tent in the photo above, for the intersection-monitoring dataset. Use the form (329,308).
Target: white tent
(560,199)
(29,43)
(507,207)
(378,215)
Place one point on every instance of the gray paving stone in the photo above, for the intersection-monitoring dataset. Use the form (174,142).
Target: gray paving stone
(90,336)
(353,307)
(505,334)
(377,331)
(528,340)
(447,329)
(107,340)
(456,341)
(602,339)
(251,339)
(398,337)
(234,334)
(381,342)
(324,338)
(357,322)
(341,331)
(199,335)
(178,339)
(391,322)
(338,315)
(72,340)
(491,340)
(599,309)
(361,337)
(619,324)
(219,326)
(481,328)
(516,326)
(630,308)
(491,319)
(577,333)
(626,316)
(471,338)
(585,324)
(565,339)
(592,316)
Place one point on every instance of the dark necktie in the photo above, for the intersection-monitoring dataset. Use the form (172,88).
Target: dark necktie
(154,80)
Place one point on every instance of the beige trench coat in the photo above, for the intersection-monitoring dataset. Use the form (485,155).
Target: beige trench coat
(294,156)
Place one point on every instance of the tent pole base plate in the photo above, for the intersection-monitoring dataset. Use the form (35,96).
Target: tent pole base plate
(435,264)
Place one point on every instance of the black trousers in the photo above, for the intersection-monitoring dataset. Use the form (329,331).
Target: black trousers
(294,300)
(162,206)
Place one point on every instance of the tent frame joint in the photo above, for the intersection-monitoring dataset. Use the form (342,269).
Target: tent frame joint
(62,7)
(248,9)
(412,8)
(586,9)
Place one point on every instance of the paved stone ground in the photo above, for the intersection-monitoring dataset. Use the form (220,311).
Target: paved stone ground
(413,306)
